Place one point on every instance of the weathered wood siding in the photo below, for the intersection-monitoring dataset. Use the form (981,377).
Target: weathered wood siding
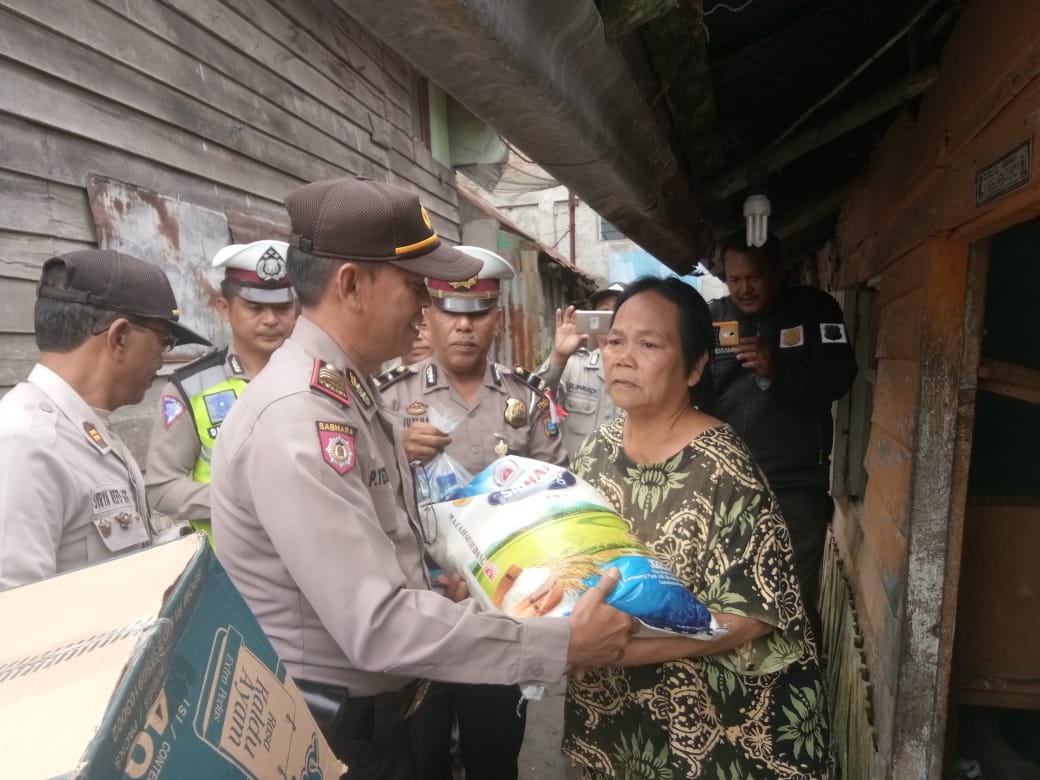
(912,222)
(225,105)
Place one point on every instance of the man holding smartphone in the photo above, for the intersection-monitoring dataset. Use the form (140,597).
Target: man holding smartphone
(574,370)
(782,357)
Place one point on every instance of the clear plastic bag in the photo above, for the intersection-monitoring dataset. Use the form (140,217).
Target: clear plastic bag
(443,475)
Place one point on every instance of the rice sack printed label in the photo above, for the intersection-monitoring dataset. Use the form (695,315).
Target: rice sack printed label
(530,537)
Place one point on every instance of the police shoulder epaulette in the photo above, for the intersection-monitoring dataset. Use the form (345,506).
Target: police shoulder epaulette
(387,378)
(530,379)
(330,381)
(215,358)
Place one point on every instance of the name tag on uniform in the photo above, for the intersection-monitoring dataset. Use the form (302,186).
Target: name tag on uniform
(116,518)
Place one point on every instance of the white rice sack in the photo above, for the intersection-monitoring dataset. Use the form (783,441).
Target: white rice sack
(530,537)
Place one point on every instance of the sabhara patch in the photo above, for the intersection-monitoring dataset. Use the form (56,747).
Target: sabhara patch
(833,333)
(337,445)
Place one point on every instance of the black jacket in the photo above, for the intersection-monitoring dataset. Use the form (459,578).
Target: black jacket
(788,424)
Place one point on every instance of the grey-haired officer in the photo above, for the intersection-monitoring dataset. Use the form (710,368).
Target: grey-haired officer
(498,411)
(314,513)
(574,373)
(258,303)
(70,491)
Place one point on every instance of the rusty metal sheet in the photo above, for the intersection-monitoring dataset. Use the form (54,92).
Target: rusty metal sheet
(179,237)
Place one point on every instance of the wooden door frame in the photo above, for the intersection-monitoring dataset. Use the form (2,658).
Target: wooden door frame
(950,340)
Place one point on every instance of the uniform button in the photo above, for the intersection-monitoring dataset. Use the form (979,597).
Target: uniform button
(475,450)
(537,670)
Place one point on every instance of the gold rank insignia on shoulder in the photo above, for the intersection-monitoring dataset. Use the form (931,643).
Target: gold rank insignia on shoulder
(515,412)
(326,379)
(95,437)
(529,378)
(387,378)
(359,389)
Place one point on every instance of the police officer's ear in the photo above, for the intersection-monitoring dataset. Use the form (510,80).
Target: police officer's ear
(117,336)
(348,283)
(223,307)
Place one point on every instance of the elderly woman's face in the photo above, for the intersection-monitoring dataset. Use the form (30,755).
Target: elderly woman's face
(643,358)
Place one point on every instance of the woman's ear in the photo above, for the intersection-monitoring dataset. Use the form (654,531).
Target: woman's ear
(697,371)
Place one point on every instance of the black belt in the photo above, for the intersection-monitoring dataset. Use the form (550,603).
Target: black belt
(345,717)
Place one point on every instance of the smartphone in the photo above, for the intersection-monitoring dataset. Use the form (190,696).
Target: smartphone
(593,321)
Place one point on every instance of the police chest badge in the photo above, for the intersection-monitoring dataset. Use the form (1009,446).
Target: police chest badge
(515,413)
(337,445)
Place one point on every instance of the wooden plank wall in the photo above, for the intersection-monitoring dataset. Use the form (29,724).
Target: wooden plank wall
(227,105)
(912,222)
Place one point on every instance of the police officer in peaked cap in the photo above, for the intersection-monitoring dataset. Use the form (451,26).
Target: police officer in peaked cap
(502,411)
(258,303)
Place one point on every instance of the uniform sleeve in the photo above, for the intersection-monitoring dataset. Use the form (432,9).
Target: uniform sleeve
(825,371)
(340,552)
(542,442)
(32,509)
(552,375)
(173,448)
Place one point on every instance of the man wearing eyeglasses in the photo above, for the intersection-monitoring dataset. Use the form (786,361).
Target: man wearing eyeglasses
(257,301)
(314,513)
(70,491)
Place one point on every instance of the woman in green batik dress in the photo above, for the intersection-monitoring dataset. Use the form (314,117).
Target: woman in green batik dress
(747,704)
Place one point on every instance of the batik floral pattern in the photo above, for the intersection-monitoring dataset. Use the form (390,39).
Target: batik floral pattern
(755,712)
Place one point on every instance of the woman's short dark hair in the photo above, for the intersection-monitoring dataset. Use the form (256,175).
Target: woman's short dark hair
(696,335)
(62,326)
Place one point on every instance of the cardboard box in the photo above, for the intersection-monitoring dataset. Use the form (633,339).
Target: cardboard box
(148,666)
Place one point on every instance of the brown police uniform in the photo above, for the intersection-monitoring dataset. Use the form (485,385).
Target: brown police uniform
(510,414)
(315,521)
(71,493)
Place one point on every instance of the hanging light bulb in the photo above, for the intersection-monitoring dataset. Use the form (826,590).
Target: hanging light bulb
(756,211)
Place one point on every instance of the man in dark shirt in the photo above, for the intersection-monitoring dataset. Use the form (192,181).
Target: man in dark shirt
(782,357)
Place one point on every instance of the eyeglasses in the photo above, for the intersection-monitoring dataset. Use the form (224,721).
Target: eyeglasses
(167,337)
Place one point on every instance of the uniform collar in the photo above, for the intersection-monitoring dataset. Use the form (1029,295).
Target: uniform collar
(440,380)
(233,363)
(92,424)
